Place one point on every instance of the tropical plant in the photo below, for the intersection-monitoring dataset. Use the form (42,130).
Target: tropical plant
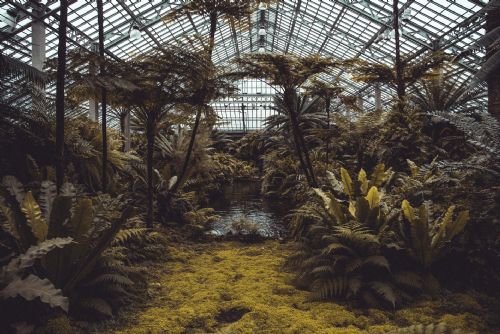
(424,240)
(326,91)
(84,270)
(288,72)
(27,146)
(157,77)
(14,281)
(353,245)
(215,10)
(310,116)
(442,92)
(341,254)
(18,279)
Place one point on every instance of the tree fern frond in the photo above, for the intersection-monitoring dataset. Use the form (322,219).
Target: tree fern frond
(96,304)
(126,235)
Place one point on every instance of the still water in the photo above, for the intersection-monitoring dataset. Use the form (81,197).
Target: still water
(242,201)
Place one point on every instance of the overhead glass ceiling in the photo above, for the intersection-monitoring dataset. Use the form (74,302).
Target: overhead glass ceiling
(341,29)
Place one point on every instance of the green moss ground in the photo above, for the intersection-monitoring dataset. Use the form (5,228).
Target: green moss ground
(229,287)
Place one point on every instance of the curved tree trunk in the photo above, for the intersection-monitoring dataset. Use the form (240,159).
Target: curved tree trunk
(61,72)
(150,137)
(175,188)
(185,164)
(493,80)
(100,20)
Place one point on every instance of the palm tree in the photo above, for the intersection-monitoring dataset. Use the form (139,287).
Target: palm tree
(215,9)
(442,92)
(61,70)
(102,70)
(309,114)
(288,72)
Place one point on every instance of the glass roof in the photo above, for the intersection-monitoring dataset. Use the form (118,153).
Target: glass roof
(341,29)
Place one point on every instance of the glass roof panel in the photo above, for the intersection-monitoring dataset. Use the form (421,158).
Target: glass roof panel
(340,29)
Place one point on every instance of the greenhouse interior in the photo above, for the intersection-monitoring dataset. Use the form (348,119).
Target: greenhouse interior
(246,166)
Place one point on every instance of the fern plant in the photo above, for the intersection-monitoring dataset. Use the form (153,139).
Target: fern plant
(341,255)
(83,270)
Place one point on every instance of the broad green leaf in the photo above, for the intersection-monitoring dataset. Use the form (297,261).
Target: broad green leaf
(363,181)
(378,175)
(34,217)
(347,181)
(332,206)
(352,208)
(373,197)
(458,226)
(408,211)
(33,287)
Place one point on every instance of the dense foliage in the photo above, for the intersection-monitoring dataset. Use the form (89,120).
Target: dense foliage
(392,206)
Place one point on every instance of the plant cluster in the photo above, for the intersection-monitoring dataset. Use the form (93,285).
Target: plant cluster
(356,246)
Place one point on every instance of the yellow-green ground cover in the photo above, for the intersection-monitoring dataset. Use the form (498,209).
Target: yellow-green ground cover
(229,287)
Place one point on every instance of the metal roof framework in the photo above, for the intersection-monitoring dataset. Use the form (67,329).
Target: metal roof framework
(337,28)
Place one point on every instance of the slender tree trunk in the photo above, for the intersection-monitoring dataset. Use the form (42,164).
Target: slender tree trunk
(213,29)
(327,106)
(400,86)
(61,72)
(150,137)
(493,80)
(100,20)
(185,164)
(290,101)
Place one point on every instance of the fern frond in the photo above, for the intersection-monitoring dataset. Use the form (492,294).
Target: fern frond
(126,235)
(96,304)
(384,290)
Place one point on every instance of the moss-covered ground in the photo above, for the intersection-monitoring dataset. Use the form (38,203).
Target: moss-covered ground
(230,287)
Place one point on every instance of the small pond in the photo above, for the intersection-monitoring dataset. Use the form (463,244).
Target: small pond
(242,202)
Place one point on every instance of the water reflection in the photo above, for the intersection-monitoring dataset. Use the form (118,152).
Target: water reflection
(242,201)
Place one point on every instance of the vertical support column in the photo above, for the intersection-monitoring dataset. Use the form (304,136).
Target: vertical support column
(359,102)
(378,97)
(38,40)
(126,131)
(93,104)
(243,118)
